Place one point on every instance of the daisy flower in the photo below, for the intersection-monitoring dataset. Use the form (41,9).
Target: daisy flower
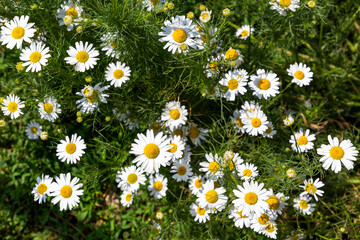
(12,105)
(182,170)
(177,147)
(91,97)
(212,68)
(211,197)
(70,150)
(109,45)
(252,198)
(174,115)
(43,188)
(255,123)
(247,171)
(181,132)
(277,203)
(302,141)
(157,186)
(196,184)
(303,204)
(49,109)
(69,14)
(235,81)
(270,131)
(33,130)
(270,230)
(249,107)
(117,74)
(231,163)
(264,84)
(179,33)
(130,178)
(236,120)
(83,56)
(336,153)
(16,31)
(288,118)
(312,188)
(152,5)
(302,75)
(239,219)
(259,223)
(205,16)
(35,56)
(234,57)
(282,6)
(244,32)
(211,166)
(196,134)
(151,151)
(201,214)
(126,198)
(66,191)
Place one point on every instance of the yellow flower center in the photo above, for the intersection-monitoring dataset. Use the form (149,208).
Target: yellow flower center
(72,12)
(48,108)
(239,122)
(178,132)
(128,197)
(35,57)
(247,172)
(200,211)
(179,35)
(240,214)
(213,65)
(303,204)
(194,132)
(264,84)
(231,54)
(33,130)
(251,198)
(132,178)
(181,170)
(230,164)
(263,219)
(270,228)
(66,191)
(273,202)
(337,153)
(151,150)
(18,32)
(42,188)
(82,56)
(205,16)
(158,186)
(183,47)
(118,73)
(285,3)
(299,75)
(173,148)
(302,140)
(154,2)
(244,33)
(174,114)
(198,183)
(211,196)
(12,107)
(256,122)
(310,188)
(268,130)
(233,84)
(70,148)
(93,97)
(213,167)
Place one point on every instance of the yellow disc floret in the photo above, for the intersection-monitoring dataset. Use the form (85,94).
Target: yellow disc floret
(285,3)
(132,178)
(66,191)
(251,198)
(303,204)
(194,132)
(35,57)
(12,107)
(273,202)
(200,211)
(337,153)
(18,32)
(151,150)
(179,35)
(70,148)
(233,84)
(158,186)
(181,170)
(231,54)
(48,107)
(33,130)
(299,75)
(310,188)
(244,33)
(256,122)
(247,172)
(302,140)
(213,167)
(211,196)
(264,84)
(198,183)
(174,114)
(72,12)
(118,73)
(41,188)
(128,197)
(82,56)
